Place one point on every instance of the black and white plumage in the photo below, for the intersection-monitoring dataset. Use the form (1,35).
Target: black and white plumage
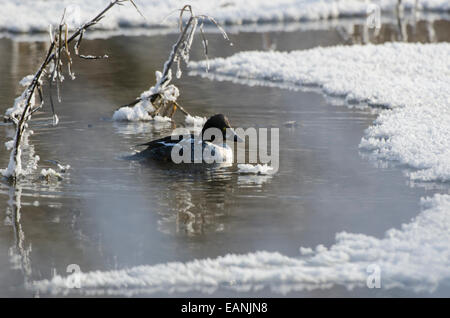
(203,148)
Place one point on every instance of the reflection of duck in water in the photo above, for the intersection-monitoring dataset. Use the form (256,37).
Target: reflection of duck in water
(205,147)
(197,203)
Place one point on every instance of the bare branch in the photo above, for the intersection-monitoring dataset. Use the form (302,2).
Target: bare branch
(180,51)
(57,46)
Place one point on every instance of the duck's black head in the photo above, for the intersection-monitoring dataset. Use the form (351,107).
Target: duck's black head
(220,122)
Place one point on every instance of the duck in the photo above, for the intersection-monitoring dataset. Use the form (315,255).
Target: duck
(203,148)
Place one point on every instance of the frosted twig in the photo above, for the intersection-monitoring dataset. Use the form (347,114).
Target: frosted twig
(180,51)
(26,106)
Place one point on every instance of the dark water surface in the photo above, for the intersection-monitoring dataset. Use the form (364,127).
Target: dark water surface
(110,213)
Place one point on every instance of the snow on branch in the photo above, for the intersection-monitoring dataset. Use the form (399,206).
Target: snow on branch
(25,105)
(160,101)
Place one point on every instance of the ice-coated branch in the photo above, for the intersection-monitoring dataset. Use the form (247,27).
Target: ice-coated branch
(161,98)
(24,106)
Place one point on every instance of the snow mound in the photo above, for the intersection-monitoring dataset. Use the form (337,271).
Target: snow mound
(415,131)
(36,15)
(162,119)
(195,121)
(50,173)
(139,112)
(255,169)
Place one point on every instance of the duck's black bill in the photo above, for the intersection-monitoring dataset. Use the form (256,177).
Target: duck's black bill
(231,135)
(238,139)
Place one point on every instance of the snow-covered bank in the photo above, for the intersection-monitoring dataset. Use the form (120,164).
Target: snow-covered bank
(345,26)
(411,79)
(415,257)
(36,15)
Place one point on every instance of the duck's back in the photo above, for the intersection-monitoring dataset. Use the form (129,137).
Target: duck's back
(161,149)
